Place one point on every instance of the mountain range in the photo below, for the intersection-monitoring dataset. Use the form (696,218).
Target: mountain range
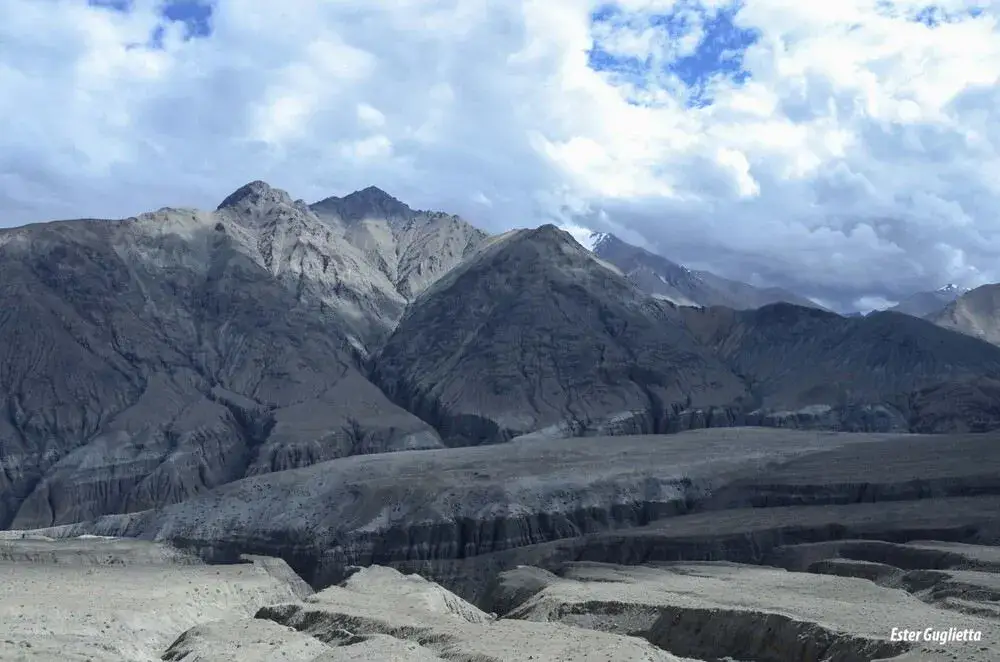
(147,360)
(672,282)
(922,304)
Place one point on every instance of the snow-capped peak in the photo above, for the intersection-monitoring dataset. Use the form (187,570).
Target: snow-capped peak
(596,239)
(951,288)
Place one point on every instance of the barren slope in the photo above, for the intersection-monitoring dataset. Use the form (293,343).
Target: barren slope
(143,361)
(534,334)
(811,368)
(411,248)
(975,313)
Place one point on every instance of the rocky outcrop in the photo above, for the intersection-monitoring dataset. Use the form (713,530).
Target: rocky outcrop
(149,604)
(725,611)
(379,602)
(246,640)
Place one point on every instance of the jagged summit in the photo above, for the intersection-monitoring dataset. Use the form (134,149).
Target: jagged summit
(255,194)
(370,202)
(372,193)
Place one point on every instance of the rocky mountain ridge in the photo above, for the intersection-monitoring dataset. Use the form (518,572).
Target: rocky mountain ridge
(557,342)
(147,360)
(412,248)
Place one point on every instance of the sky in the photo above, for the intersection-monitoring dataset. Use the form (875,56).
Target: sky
(847,150)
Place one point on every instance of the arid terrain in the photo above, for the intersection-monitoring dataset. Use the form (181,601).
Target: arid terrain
(434,443)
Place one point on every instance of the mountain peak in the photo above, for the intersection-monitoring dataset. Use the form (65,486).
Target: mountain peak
(371,193)
(255,194)
(598,239)
(370,202)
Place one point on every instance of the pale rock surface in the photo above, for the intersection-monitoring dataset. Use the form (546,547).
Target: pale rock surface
(121,601)
(714,610)
(411,248)
(380,601)
(245,640)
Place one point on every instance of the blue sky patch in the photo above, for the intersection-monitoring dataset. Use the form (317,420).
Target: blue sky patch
(718,55)
(196,16)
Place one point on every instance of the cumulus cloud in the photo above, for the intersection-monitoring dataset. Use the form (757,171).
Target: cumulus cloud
(849,150)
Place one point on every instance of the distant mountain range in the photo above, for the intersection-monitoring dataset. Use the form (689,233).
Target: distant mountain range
(150,359)
(922,304)
(672,282)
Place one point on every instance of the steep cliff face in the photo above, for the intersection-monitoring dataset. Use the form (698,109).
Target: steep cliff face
(146,360)
(534,335)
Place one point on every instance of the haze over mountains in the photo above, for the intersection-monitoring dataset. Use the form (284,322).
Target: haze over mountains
(921,304)
(670,281)
(149,359)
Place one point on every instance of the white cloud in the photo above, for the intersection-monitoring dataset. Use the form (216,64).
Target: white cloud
(860,159)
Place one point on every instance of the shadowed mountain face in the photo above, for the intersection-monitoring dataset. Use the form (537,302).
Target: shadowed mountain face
(668,280)
(849,373)
(975,313)
(535,333)
(145,360)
